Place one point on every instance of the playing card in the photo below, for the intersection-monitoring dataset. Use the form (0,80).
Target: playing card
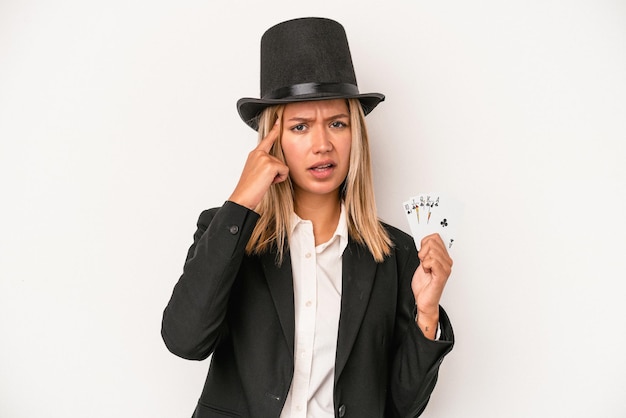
(431,213)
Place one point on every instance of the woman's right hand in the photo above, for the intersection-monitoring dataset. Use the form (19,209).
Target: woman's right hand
(260,172)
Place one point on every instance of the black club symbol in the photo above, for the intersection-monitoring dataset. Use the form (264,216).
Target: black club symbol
(444,223)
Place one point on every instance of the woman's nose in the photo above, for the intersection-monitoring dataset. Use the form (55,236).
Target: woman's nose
(321,141)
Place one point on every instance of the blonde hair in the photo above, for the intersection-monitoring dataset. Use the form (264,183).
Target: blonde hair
(357,193)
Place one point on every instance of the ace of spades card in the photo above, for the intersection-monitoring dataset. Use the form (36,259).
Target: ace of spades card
(431,213)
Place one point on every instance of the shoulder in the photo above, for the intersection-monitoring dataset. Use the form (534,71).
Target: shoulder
(401,240)
(403,251)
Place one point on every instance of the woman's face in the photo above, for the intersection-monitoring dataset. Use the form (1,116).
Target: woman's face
(316,141)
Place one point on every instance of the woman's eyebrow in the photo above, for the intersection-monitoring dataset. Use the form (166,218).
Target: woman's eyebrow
(339,116)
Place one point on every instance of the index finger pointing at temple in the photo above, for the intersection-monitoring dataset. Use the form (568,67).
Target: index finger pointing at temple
(266,143)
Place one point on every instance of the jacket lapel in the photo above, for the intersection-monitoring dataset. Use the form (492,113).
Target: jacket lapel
(280,283)
(359,271)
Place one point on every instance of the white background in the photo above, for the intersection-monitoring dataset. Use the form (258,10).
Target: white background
(118,126)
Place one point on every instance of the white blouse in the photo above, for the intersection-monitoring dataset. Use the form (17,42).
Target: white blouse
(317,297)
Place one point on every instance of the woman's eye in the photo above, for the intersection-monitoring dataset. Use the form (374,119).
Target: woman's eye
(299,128)
(338,124)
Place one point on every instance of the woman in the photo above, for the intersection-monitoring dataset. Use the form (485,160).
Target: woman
(310,306)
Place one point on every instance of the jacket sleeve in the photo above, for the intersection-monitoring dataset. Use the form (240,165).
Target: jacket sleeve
(193,320)
(416,359)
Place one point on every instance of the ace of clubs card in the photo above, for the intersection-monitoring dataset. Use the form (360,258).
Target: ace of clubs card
(431,213)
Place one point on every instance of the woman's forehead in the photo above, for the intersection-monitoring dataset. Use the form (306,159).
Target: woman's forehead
(313,107)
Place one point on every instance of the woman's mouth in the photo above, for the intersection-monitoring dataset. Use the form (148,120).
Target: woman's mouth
(323,169)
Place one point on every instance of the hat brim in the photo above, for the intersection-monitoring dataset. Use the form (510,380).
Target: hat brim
(249,108)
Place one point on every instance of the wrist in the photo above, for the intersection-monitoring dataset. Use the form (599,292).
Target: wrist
(428,323)
(429,313)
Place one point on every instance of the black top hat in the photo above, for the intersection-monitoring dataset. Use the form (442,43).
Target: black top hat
(305,59)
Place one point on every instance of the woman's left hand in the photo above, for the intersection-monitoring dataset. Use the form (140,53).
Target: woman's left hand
(429,280)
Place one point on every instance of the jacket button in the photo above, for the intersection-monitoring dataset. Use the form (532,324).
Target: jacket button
(234,229)
(342,411)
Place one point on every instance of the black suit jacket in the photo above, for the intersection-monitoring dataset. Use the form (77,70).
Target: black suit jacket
(240,309)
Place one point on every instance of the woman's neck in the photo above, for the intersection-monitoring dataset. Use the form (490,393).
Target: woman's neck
(323,212)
